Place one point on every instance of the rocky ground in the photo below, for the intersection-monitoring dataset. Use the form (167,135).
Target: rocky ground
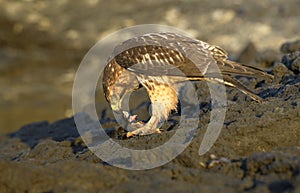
(42,44)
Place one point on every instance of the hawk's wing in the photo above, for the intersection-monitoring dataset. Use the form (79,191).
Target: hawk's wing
(164,54)
(171,54)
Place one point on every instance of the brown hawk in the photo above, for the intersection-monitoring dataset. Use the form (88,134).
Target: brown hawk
(151,61)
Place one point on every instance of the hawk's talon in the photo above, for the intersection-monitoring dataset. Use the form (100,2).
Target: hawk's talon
(131,134)
(145,130)
(135,125)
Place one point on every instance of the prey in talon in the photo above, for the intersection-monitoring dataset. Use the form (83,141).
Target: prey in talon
(149,61)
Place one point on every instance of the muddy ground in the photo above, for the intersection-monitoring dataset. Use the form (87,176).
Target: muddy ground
(42,44)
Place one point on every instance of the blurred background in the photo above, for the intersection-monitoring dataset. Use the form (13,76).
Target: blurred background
(43,42)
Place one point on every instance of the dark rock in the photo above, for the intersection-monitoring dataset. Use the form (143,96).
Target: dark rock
(292,61)
(280,70)
(281,186)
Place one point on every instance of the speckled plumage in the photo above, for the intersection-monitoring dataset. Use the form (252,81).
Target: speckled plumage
(153,61)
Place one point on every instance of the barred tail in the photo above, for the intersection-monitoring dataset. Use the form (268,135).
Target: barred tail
(233,68)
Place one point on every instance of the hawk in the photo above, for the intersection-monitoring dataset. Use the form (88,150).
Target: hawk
(151,61)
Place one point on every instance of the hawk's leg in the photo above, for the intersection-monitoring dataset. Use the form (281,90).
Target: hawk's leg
(163,100)
(152,126)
